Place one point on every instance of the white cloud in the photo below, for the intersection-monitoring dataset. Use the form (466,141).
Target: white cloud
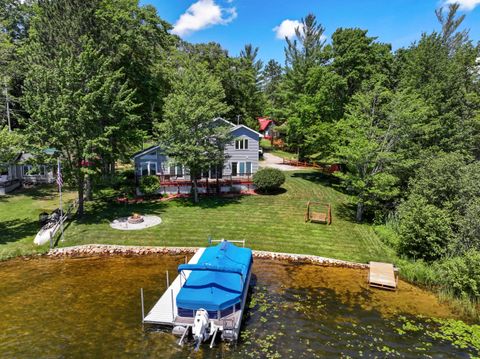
(466,5)
(203,14)
(287,28)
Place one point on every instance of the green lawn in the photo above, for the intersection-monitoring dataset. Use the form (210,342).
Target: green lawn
(19,219)
(267,146)
(284,154)
(274,223)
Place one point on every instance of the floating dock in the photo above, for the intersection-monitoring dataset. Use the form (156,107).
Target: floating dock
(165,310)
(382,275)
(203,307)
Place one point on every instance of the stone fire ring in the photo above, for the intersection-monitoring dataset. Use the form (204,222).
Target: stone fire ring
(124,225)
(135,220)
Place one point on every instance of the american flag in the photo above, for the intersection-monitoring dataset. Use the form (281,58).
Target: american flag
(59,176)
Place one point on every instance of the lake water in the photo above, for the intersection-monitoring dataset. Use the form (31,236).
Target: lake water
(90,308)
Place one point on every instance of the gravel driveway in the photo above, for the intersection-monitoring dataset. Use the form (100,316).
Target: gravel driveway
(273,161)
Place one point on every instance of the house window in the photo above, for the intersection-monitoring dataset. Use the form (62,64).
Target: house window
(144,168)
(249,167)
(148,168)
(216,172)
(241,144)
(152,168)
(242,169)
(28,170)
(176,170)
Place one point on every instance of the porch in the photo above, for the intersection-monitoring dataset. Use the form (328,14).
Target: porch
(8,185)
(172,184)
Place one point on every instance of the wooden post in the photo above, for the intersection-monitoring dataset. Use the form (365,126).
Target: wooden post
(173,309)
(143,307)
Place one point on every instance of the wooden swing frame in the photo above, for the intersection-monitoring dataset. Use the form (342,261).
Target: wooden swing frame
(318,217)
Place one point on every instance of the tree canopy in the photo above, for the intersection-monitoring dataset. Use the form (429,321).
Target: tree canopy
(97,79)
(188,131)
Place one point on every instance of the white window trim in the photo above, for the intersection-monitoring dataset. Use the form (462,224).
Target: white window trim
(238,168)
(149,168)
(242,141)
(175,165)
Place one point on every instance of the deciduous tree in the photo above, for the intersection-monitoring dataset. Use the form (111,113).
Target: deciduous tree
(187,131)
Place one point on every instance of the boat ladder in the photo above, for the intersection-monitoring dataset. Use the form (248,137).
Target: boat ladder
(187,329)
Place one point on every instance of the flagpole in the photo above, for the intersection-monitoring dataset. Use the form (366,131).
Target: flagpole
(59,181)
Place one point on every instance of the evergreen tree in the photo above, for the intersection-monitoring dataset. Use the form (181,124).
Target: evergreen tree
(248,76)
(302,54)
(240,78)
(272,76)
(446,79)
(450,25)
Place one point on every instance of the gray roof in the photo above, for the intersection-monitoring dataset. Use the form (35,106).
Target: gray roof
(144,151)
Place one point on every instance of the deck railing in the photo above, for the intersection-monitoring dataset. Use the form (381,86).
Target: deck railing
(322,168)
(9,182)
(166,180)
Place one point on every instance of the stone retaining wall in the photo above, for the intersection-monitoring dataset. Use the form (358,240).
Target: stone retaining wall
(103,249)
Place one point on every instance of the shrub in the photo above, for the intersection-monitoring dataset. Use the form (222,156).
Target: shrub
(129,175)
(268,179)
(424,229)
(461,275)
(149,185)
(469,228)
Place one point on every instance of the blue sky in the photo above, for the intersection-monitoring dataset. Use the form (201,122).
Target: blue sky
(233,23)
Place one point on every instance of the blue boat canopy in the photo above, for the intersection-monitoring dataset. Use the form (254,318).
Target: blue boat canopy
(211,267)
(217,281)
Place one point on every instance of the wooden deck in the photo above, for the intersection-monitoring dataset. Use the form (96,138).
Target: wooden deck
(165,310)
(205,182)
(382,275)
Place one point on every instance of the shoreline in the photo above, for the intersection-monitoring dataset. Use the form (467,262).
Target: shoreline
(108,249)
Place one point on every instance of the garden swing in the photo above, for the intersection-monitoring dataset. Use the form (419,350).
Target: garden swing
(316,216)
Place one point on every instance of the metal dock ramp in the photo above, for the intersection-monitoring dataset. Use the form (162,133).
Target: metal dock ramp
(165,310)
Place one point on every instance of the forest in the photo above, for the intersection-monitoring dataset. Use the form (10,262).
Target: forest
(96,80)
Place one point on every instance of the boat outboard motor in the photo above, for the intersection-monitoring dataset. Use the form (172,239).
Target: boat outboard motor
(200,327)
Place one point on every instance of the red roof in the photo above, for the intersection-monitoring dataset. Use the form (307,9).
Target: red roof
(264,122)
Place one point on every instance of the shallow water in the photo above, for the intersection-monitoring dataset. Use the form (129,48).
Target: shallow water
(90,308)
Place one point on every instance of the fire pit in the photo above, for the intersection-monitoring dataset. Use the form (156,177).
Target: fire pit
(135,219)
(135,222)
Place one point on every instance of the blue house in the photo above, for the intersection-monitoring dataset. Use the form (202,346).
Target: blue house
(242,156)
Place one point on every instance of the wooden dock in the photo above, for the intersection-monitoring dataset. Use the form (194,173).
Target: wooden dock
(382,275)
(164,311)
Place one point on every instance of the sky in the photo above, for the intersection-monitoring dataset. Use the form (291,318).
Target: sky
(265,23)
